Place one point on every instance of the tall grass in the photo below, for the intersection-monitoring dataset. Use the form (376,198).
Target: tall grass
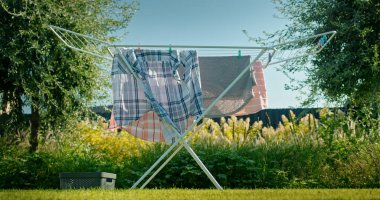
(335,151)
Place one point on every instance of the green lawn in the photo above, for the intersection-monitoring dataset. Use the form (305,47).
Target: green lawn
(267,194)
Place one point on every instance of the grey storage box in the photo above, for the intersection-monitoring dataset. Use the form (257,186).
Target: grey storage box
(77,180)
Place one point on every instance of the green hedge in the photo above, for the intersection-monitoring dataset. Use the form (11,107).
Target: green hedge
(334,152)
(264,166)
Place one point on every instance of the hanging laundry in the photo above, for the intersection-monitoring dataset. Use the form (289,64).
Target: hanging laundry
(259,100)
(217,73)
(159,88)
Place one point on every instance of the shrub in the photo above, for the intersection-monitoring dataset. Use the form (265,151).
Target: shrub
(334,151)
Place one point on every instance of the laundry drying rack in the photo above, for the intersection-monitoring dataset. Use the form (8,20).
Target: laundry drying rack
(270,55)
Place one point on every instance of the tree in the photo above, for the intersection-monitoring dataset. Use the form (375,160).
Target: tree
(348,68)
(36,69)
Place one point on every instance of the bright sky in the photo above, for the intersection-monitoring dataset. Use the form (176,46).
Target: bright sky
(212,22)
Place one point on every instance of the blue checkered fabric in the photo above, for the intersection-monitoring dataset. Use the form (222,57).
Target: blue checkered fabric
(159,88)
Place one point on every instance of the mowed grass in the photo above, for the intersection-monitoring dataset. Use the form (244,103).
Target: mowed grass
(266,194)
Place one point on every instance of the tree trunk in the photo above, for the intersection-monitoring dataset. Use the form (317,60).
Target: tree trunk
(5,104)
(34,127)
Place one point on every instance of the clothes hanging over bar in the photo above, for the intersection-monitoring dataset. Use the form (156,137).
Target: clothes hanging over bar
(259,100)
(217,72)
(179,98)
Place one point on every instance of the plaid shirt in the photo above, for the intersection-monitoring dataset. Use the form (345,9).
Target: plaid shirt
(159,88)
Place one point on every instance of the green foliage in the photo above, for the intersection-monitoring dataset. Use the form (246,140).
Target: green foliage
(348,68)
(37,70)
(334,151)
